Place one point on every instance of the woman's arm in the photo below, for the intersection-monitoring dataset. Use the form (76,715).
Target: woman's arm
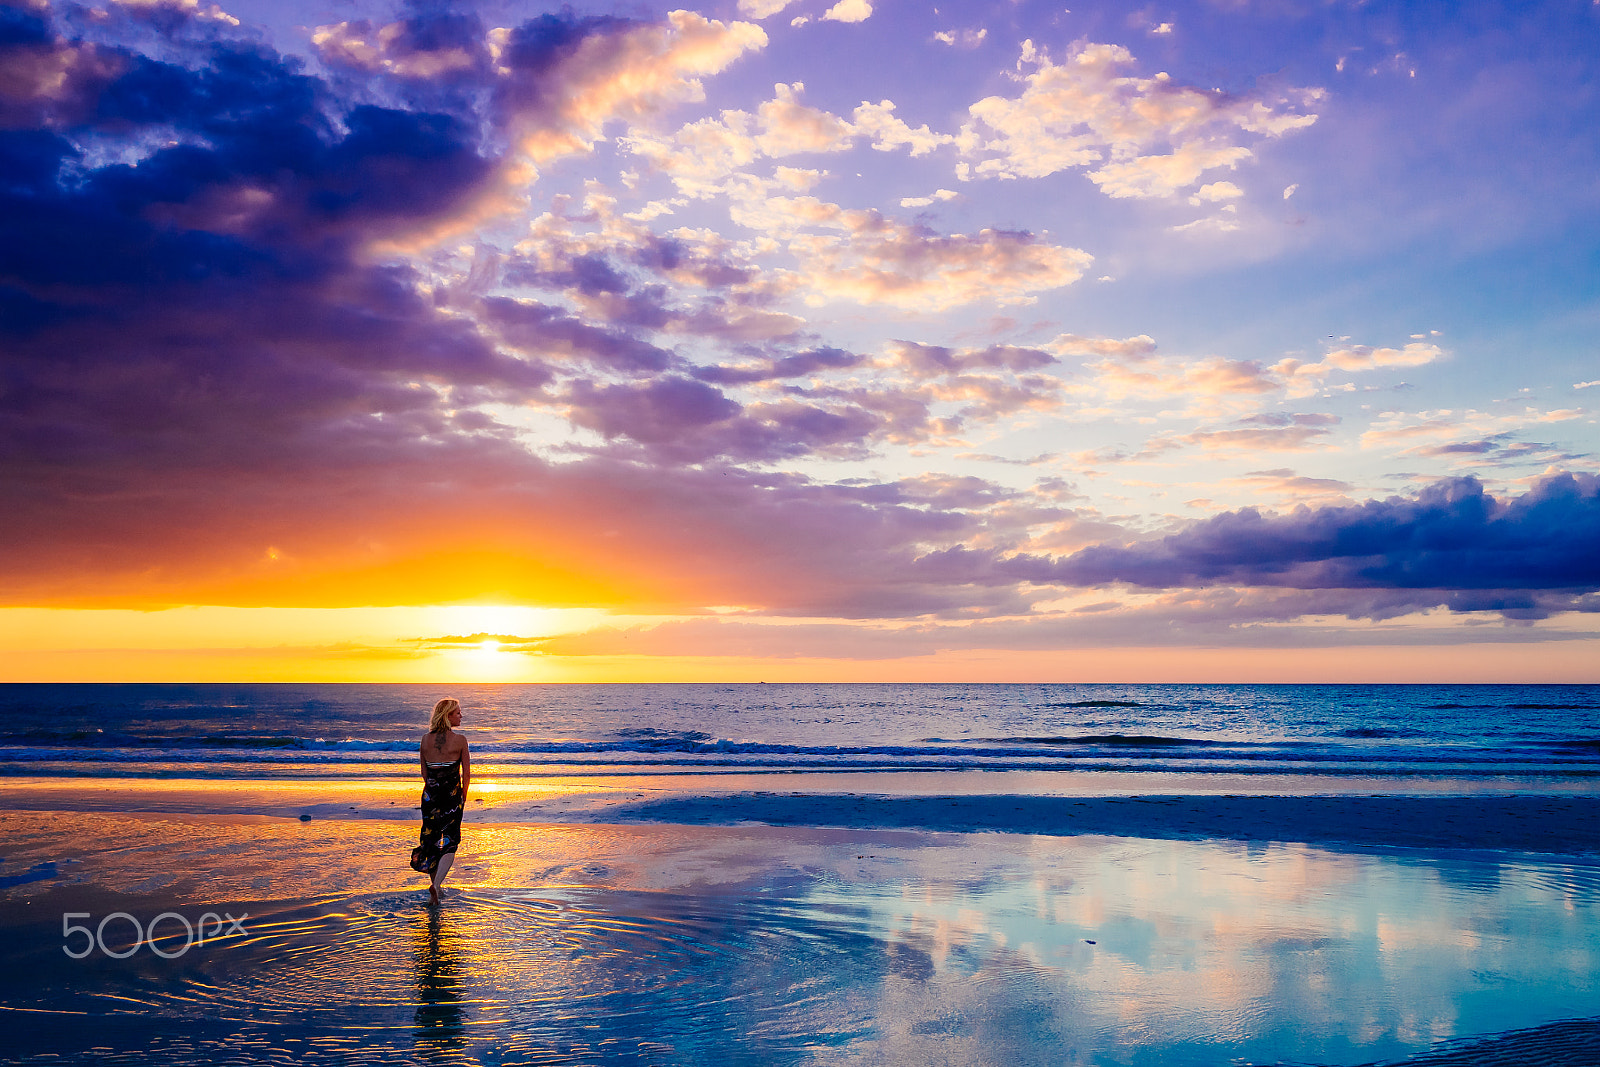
(422,759)
(466,769)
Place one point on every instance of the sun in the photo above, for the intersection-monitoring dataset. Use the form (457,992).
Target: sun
(489,661)
(500,649)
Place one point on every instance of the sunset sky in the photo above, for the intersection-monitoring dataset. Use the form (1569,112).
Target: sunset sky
(1233,340)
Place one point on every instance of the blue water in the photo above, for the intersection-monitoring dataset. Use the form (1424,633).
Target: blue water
(231,731)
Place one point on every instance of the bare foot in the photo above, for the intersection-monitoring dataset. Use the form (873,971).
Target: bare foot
(433,895)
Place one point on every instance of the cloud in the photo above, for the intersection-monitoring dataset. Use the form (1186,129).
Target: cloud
(1203,381)
(788,126)
(1208,618)
(1286,484)
(1213,224)
(1364,357)
(1130,368)
(848,11)
(1214,192)
(701,155)
(961,38)
(1134,349)
(925,361)
(1477,439)
(1307,379)
(1258,433)
(627,71)
(888,131)
(549,333)
(1451,538)
(797,365)
(1086,112)
(427,47)
(926,201)
(1164,175)
(878,260)
(762,9)
(1263,433)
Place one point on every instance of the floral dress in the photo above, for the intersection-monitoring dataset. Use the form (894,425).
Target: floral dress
(441,816)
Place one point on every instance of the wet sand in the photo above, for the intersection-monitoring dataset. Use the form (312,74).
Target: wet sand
(660,925)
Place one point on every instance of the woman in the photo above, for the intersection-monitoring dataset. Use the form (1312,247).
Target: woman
(446,773)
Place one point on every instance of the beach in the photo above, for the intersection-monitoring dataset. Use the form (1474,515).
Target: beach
(906,919)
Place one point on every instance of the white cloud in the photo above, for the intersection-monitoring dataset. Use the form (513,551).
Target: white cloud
(871,259)
(1290,191)
(888,131)
(848,11)
(762,9)
(1125,348)
(1165,175)
(1215,192)
(961,38)
(801,181)
(1472,434)
(789,127)
(1213,224)
(925,201)
(1306,379)
(1088,112)
(701,155)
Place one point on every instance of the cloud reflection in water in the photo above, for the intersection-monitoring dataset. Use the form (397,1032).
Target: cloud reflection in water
(761,946)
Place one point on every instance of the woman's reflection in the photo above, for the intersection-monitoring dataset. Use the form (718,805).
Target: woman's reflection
(438,972)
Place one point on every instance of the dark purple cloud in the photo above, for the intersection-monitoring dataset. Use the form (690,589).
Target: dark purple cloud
(1452,536)
(188,312)
(682,420)
(936,360)
(553,333)
(794,365)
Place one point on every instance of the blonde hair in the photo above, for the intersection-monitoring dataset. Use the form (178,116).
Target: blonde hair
(439,722)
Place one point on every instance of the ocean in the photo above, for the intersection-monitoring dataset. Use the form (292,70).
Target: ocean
(367,731)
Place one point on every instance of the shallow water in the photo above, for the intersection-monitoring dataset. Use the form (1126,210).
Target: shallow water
(774,947)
